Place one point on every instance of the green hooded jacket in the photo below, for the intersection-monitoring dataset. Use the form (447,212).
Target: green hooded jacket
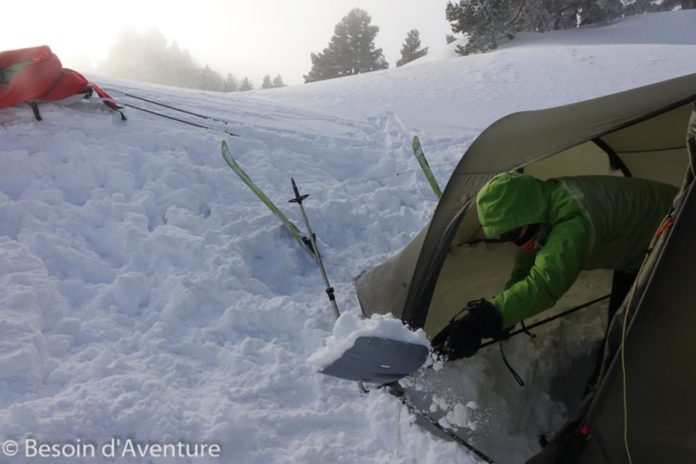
(593,222)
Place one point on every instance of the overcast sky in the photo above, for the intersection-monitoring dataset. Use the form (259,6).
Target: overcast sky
(245,37)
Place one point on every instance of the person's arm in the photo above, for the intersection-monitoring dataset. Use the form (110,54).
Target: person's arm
(555,268)
(524,260)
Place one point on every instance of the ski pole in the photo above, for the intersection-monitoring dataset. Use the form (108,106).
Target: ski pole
(161,115)
(317,257)
(329,289)
(163,105)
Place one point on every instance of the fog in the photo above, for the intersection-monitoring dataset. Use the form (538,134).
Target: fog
(244,37)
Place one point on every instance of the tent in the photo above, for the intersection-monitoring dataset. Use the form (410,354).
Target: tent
(645,404)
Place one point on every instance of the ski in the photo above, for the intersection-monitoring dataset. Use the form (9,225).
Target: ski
(397,390)
(291,227)
(420,156)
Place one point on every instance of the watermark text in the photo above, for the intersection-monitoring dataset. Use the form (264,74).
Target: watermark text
(113,448)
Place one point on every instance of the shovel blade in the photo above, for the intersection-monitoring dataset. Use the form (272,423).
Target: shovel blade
(378,360)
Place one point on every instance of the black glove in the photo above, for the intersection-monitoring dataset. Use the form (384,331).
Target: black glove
(461,338)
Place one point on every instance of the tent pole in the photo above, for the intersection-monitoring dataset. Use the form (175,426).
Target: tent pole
(547,320)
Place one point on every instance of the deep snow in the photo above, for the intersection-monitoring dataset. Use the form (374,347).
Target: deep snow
(146,293)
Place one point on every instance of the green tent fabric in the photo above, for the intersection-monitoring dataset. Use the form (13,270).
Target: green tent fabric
(640,132)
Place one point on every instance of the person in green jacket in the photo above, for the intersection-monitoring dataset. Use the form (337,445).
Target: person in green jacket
(561,226)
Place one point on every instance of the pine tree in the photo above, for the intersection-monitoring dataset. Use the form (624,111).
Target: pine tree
(267,83)
(149,57)
(209,80)
(598,11)
(486,22)
(350,51)
(278,81)
(231,83)
(246,85)
(450,38)
(648,6)
(411,48)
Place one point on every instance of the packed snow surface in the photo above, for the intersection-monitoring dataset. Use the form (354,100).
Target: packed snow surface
(146,294)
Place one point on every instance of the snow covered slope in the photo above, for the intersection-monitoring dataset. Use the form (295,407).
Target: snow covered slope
(145,293)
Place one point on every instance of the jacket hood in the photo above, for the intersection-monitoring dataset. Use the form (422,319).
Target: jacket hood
(511,200)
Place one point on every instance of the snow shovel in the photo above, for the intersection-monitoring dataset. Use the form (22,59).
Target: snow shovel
(378,360)
(371,359)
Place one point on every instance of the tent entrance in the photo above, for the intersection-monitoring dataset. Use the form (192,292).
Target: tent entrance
(653,148)
(481,269)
